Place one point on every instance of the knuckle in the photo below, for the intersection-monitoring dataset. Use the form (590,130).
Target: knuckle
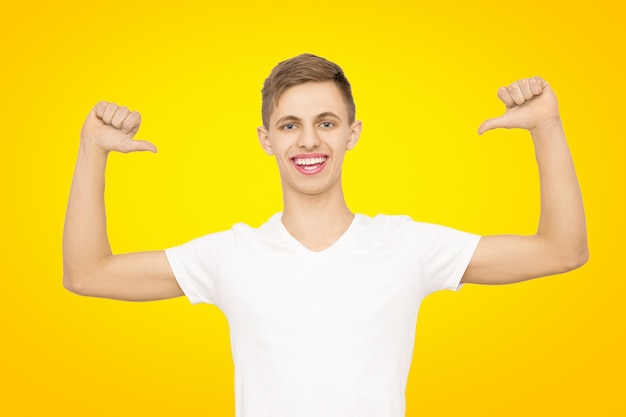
(100,107)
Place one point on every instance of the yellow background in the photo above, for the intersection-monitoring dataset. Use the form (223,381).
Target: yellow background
(424,77)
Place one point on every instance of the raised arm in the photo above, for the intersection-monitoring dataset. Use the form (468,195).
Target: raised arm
(560,243)
(89,267)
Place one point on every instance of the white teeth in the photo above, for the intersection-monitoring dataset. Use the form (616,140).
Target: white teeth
(309,161)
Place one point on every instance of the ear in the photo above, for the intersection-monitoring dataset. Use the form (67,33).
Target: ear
(355,134)
(264,140)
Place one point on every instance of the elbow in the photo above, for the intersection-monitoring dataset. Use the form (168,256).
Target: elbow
(71,284)
(76,282)
(85,279)
(563,255)
(583,257)
(574,259)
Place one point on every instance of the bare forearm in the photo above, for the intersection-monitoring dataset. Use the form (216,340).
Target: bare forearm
(562,223)
(85,241)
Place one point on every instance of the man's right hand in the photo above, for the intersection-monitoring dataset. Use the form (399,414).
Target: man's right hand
(110,127)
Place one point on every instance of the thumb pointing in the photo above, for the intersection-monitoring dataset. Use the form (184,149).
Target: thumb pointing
(142,145)
(489,124)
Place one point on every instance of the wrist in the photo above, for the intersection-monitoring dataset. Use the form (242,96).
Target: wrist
(90,149)
(547,127)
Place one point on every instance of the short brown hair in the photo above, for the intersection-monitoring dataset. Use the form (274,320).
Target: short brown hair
(299,70)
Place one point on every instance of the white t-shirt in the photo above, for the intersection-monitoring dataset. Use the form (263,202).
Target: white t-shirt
(325,333)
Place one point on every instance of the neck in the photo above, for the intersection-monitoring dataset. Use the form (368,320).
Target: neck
(316,221)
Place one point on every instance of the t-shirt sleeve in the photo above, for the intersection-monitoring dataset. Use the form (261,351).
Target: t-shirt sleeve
(197,265)
(444,254)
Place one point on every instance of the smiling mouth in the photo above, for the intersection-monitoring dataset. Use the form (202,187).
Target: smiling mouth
(309,165)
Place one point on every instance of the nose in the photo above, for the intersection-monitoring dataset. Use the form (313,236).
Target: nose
(308,139)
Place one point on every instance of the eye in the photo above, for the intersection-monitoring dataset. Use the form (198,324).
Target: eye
(327,125)
(288,126)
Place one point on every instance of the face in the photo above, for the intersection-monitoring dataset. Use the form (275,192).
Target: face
(309,133)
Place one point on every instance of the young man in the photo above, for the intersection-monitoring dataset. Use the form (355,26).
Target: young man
(322,303)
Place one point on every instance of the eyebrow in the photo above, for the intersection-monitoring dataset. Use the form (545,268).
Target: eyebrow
(328,114)
(323,115)
(286,118)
